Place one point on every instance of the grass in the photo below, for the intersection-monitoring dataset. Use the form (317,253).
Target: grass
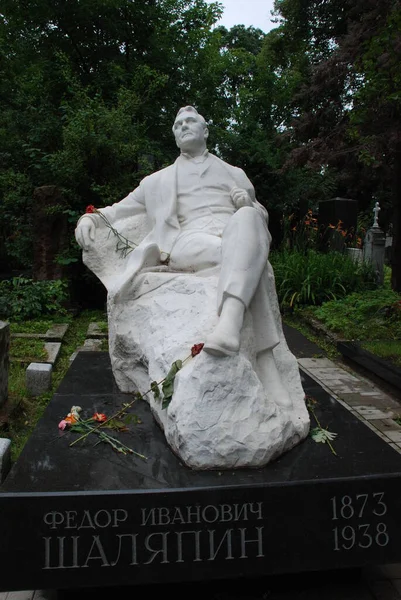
(368,316)
(38,325)
(371,317)
(27,350)
(26,411)
(389,350)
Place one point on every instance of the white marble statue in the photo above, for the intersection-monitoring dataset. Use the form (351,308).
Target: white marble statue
(200,273)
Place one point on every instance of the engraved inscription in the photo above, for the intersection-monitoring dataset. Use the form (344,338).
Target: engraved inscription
(217,532)
(353,533)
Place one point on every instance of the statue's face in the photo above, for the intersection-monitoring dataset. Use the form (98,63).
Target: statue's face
(190,132)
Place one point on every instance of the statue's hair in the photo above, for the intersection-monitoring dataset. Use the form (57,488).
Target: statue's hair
(192,109)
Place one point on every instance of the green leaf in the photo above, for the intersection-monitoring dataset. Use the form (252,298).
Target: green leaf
(166,402)
(132,420)
(155,389)
(79,428)
(168,389)
(117,424)
(320,435)
(168,384)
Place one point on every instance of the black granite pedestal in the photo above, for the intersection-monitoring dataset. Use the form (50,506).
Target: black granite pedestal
(85,516)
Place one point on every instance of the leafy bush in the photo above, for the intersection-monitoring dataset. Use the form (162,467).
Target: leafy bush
(364,316)
(311,277)
(22,298)
(305,233)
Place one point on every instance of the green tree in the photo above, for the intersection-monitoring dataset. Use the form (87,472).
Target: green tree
(346,106)
(88,90)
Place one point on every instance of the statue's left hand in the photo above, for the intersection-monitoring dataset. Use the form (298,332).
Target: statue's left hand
(240,197)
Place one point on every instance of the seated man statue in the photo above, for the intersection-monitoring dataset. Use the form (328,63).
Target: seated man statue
(203,214)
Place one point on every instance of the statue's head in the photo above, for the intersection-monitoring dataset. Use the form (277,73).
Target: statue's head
(190,130)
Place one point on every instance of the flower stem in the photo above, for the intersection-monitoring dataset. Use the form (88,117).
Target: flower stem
(122,410)
(127,245)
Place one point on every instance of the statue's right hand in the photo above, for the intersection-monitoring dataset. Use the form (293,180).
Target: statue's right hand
(85,233)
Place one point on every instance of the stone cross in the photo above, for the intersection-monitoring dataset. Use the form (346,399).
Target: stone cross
(376,211)
(374,246)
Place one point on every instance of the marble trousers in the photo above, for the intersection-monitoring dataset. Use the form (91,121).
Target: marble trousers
(240,249)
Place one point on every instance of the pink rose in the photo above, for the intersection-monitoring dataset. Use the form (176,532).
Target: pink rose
(62,425)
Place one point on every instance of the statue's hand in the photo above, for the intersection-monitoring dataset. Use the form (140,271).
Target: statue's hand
(85,233)
(240,197)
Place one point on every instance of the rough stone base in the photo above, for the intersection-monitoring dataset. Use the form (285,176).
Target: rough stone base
(220,415)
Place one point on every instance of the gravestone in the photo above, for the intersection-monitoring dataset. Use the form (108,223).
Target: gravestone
(90,517)
(331,212)
(50,232)
(374,246)
(4,360)
(355,254)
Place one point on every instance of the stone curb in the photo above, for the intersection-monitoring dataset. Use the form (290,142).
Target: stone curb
(95,332)
(90,345)
(320,329)
(56,333)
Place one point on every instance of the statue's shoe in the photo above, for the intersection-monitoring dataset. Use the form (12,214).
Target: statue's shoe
(221,345)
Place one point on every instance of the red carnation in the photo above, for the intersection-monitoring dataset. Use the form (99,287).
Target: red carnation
(196,349)
(90,209)
(99,417)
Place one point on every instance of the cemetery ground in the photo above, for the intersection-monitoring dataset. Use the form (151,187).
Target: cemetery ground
(374,583)
(22,411)
(365,316)
(372,318)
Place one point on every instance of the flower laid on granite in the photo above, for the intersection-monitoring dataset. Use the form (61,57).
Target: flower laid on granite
(74,423)
(71,418)
(318,434)
(119,420)
(99,417)
(124,245)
